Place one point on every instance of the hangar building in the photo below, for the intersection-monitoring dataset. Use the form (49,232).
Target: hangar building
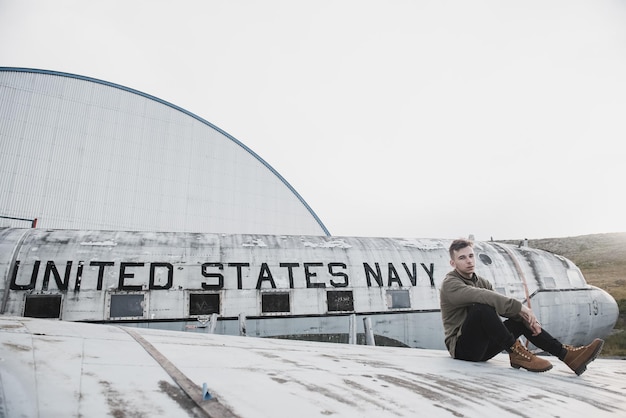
(82,153)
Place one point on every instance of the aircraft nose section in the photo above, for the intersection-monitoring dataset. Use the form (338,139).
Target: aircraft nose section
(577,316)
(604,309)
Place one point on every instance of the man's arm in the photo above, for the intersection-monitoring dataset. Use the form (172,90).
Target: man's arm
(530,320)
(459,294)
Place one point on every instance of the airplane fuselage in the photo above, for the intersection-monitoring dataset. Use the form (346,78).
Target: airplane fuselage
(290,286)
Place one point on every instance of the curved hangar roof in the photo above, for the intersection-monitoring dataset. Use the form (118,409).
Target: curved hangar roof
(81,153)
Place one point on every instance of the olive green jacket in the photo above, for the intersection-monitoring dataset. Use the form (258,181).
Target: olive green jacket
(458,293)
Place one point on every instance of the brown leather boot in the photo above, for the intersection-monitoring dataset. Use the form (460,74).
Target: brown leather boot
(521,357)
(577,358)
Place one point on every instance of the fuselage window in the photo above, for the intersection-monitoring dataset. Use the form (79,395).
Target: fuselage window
(575,278)
(275,302)
(43,306)
(548,282)
(398,299)
(340,300)
(127,306)
(204,303)
(485,259)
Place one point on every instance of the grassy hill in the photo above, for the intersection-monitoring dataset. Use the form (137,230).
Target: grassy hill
(602,260)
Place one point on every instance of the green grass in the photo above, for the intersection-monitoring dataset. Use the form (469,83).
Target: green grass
(615,344)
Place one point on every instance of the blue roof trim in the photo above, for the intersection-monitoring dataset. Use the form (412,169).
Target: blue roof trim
(180,109)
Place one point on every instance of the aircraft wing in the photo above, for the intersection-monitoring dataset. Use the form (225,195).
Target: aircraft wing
(51,368)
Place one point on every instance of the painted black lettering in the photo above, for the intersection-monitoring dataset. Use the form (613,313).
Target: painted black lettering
(412,277)
(239,276)
(308,274)
(101,265)
(338,274)
(376,275)
(170,276)
(52,268)
(265,275)
(33,277)
(79,276)
(290,267)
(218,276)
(430,272)
(125,275)
(393,276)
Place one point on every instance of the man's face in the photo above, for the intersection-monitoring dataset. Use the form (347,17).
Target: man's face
(463,261)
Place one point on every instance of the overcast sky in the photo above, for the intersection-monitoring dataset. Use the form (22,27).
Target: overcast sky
(434,119)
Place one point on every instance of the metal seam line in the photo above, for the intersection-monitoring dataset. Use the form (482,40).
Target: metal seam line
(212,408)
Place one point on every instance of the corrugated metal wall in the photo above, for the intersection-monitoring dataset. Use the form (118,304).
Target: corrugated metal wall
(80,153)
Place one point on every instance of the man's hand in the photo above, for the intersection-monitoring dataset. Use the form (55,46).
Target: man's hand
(530,320)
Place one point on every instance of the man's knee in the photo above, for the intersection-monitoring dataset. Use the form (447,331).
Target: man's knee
(482,309)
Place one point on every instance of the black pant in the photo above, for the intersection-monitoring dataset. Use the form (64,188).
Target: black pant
(484,335)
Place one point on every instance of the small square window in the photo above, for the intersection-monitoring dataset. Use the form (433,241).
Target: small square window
(204,303)
(340,300)
(548,282)
(127,306)
(43,306)
(275,302)
(398,299)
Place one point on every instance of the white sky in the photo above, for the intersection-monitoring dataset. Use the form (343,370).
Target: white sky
(391,118)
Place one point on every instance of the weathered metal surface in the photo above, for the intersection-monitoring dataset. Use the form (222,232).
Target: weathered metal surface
(282,285)
(52,368)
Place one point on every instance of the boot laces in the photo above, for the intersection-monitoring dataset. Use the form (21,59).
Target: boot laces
(572,348)
(521,351)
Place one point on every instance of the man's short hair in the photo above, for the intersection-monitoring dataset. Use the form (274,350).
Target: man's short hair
(459,244)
